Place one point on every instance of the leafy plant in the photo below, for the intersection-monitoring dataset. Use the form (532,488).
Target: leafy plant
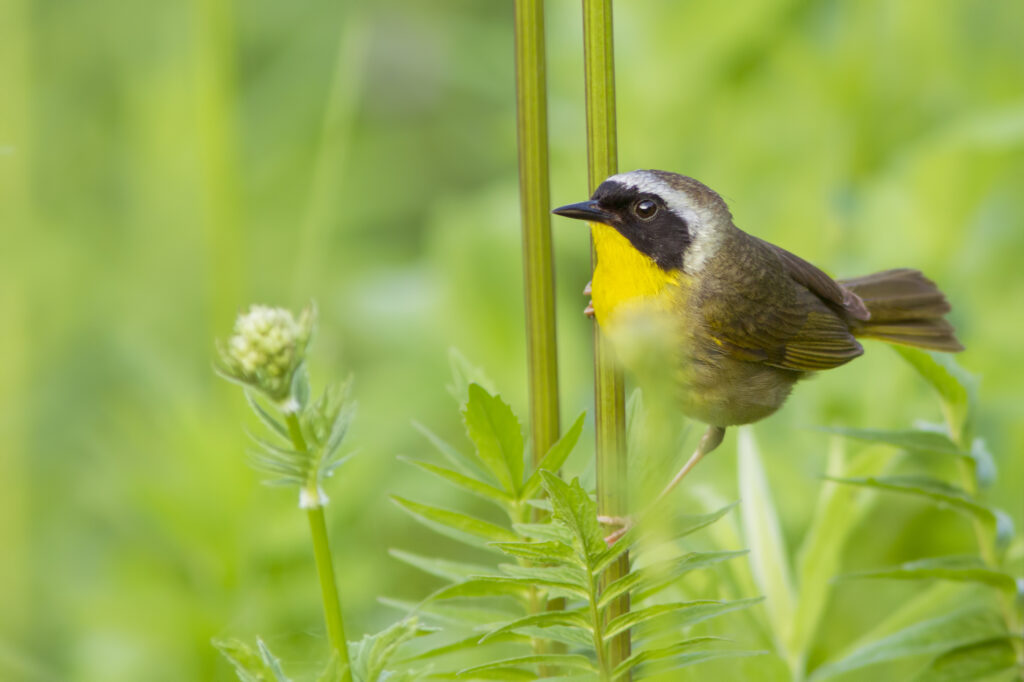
(563,556)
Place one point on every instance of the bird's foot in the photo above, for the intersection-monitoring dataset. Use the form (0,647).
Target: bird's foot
(624,524)
(589,310)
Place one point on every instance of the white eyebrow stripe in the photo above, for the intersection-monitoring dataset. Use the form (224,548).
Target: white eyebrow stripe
(701,221)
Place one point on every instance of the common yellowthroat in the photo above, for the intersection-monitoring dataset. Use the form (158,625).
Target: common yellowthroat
(748,319)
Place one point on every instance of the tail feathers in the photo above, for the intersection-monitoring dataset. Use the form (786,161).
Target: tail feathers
(906,308)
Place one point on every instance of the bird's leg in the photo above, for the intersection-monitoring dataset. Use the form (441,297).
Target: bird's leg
(589,310)
(711,439)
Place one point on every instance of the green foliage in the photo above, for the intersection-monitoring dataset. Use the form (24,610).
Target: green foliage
(563,555)
(961,643)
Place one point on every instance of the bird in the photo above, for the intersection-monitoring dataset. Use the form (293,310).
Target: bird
(747,319)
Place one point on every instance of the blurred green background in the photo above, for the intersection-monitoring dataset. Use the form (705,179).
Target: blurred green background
(164,164)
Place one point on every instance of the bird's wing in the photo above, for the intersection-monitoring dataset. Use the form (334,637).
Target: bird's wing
(820,284)
(773,316)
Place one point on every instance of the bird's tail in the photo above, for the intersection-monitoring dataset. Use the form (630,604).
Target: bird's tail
(906,308)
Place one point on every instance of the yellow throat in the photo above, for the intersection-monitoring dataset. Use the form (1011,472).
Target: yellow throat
(625,277)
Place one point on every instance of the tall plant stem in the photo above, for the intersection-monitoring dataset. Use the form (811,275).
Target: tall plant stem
(602,161)
(538,265)
(324,565)
(534,201)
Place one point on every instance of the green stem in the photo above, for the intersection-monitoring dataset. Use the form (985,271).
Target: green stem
(538,263)
(324,565)
(609,392)
(534,201)
(986,538)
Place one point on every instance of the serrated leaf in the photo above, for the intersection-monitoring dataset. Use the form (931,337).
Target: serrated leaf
(956,568)
(769,559)
(570,636)
(932,636)
(540,552)
(972,662)
(573,618)
(445,521)
(649,580)
(648,655)
(554,458)
(465,373)
(561,661)
(468,483)
(685,613)
(933,489)
(372,655)
(916,440)
(442,568)
(498,438)
(573,508)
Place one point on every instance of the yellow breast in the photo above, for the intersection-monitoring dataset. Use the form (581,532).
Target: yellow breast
(625,278)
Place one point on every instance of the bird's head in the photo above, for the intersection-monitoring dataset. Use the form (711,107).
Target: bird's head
(676,221)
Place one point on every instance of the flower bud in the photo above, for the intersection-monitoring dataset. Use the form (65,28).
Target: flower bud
(266,349)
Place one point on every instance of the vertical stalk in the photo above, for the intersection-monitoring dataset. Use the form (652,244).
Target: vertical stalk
(538,265)
(534,202)
(324,565)
(610,411)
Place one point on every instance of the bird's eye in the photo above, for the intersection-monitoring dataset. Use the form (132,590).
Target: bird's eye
(645,209)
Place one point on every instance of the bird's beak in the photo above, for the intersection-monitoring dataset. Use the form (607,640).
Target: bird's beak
(585,210)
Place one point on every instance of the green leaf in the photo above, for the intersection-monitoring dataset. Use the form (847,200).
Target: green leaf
(956,387)
(482,586)
(461,645)
(561,661)
(688,659)
(465,373)
(265,417)
(838,512)
(680,526)
(333,670)
(554,458)
(573,508)
(460,461)
(553,532)
(570,636)
(685,613)
(972,662)
(935,490)
(372,655)
(540,552)
(573,618)
(648,655)
(649,580)
(933,637)
(251,665)
(956,568)
(495,431)
(478,488)
(916,440)
(769,559)
(442,568)
(566,581)
(458,615)
(445,521)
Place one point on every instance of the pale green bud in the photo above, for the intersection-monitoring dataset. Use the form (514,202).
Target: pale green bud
(267,348)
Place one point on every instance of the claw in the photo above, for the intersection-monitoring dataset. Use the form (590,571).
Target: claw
(586,289)
(589,310)
(625,523)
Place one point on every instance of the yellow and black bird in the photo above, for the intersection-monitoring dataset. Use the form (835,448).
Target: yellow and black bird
(748,319)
